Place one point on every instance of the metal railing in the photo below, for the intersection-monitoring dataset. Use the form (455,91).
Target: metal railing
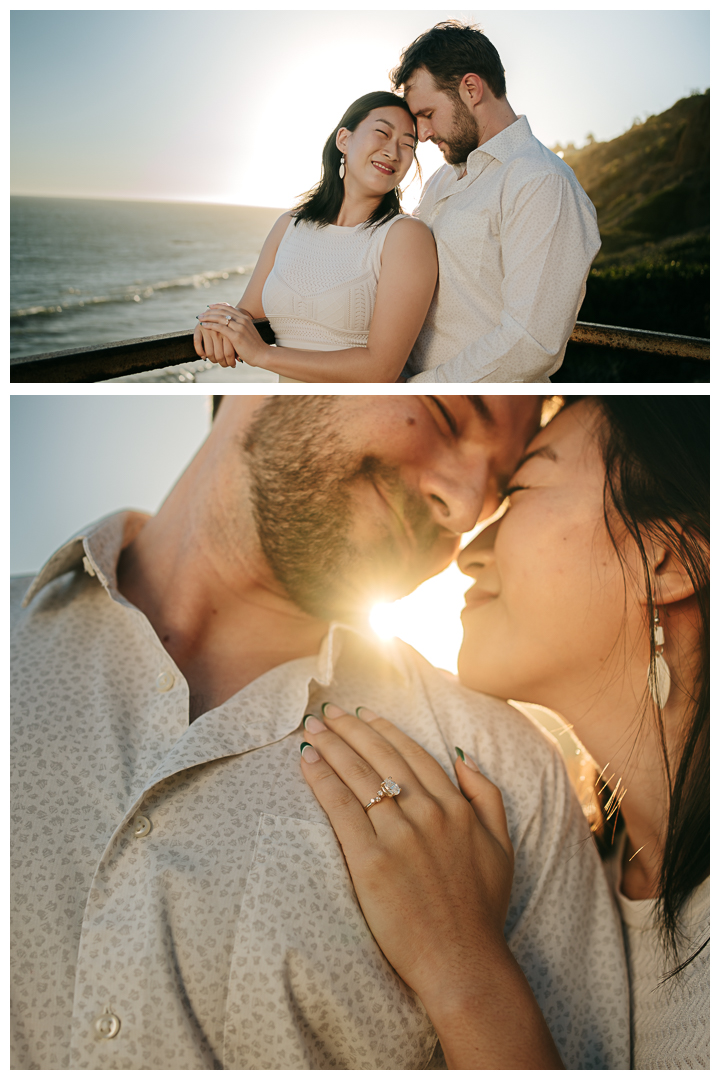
(96,363)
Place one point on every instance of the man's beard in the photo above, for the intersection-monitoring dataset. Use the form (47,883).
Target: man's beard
(463,138)
(305,482)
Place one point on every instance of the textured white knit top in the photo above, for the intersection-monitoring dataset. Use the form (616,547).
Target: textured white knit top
(671,1020)
(320,293)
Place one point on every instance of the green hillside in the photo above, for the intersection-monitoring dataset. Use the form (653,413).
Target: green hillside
(651,188)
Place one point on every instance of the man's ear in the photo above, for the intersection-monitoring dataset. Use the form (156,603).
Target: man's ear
(471,89)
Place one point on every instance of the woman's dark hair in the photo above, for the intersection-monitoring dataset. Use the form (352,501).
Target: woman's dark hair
(449,51)
(323,202)
(656,451)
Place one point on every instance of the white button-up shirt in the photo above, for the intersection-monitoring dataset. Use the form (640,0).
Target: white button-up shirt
(179,897)
(516,237)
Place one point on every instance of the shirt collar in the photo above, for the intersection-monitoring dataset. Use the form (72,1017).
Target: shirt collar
(97,549)
(502,147)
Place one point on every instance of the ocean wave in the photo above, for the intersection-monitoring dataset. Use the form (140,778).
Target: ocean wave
(134,293)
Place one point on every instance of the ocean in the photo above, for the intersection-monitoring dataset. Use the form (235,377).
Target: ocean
(90,271)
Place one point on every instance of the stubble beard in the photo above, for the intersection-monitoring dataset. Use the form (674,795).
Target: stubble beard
(304,484)
(464,137)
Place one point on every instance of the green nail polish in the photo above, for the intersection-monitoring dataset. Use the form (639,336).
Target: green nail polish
(331,716)
(459,753)
(311,756)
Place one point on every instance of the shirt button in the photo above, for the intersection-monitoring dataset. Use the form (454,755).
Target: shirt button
(141,827)
(107,1025)
(165,681)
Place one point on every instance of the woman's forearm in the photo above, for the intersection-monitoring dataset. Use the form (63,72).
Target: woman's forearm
(489,1018)
(344,365)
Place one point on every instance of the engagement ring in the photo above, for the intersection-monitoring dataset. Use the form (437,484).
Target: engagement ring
(388,787)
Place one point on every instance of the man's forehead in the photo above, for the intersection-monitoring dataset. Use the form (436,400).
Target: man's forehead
(422,86)
(521,411)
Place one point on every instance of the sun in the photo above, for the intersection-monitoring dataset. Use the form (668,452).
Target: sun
(428,619)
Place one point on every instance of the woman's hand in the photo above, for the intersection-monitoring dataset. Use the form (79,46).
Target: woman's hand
(238,334)
(213,346)
(432,869)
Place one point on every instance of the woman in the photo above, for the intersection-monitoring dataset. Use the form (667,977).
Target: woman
(346,278)
(592,598)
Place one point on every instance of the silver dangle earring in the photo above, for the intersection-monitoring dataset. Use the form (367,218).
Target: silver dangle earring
(341,170)
(658,675)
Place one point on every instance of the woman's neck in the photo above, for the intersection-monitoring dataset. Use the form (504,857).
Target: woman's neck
(357,207)
(621,735)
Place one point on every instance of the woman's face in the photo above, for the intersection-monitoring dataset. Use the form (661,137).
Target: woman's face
(546,620)
(381,149)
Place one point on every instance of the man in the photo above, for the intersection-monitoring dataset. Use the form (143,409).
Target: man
(515,233)
(180,900)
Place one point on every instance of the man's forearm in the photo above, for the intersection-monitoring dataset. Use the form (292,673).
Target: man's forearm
(509,353)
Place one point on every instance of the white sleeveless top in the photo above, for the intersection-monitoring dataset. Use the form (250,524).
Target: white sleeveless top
(320,293)
(670,1020)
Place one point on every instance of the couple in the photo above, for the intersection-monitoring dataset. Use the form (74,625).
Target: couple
(180,899)
(483,284)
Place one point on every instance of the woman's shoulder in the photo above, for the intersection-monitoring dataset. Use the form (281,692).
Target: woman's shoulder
(408,225)
(409,235)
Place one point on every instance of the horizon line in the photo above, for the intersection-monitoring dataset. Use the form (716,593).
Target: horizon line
(143,198)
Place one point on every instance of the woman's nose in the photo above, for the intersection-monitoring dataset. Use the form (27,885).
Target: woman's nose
(480,552)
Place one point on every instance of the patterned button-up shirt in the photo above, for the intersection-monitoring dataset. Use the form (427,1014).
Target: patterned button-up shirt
(516,237)
(180,899)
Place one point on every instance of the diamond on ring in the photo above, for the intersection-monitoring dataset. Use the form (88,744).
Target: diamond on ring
(388,787)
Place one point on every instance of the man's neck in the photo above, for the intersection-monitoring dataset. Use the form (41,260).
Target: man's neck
(202,582)
(491,122)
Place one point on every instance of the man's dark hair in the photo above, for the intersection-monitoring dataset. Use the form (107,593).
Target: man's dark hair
(450,51)
(322,203)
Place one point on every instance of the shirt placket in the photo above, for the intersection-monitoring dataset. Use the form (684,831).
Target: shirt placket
(116,1006)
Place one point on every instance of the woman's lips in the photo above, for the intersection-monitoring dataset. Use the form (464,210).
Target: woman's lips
(384,169)
(476,597)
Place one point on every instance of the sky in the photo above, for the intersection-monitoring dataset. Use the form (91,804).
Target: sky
(75,458)
(235,106)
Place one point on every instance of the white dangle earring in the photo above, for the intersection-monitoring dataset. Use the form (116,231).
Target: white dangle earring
(658,675)
(341,170)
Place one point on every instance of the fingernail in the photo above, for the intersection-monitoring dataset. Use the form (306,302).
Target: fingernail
(466,759)
(312,724)
(309,752)
(332,711)
(366,714)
